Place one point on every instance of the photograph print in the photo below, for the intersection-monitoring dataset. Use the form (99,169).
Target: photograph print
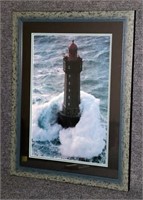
(70,97)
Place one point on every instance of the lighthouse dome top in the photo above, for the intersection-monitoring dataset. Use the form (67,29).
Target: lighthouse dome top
(73,46)
(73,50)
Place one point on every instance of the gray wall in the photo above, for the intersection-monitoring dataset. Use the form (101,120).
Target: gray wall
(30,188)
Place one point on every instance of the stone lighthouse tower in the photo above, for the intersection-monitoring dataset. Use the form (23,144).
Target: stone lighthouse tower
(72,66)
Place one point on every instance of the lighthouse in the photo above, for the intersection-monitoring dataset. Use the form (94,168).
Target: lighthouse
(72,66)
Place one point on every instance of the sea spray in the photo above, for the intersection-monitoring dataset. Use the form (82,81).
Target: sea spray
(86,139)
(44,117)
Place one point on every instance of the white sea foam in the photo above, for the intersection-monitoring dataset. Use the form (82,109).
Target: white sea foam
(44,126)
(86,139)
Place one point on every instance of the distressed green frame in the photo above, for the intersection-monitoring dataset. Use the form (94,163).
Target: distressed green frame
(123,183)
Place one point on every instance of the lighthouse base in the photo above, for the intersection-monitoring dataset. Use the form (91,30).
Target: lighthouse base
(67,121)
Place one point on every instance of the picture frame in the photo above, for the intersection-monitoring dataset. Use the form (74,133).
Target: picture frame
(116,31)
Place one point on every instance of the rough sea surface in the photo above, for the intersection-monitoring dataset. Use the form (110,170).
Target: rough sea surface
(89,139)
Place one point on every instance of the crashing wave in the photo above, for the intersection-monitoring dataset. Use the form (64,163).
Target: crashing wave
(86,140)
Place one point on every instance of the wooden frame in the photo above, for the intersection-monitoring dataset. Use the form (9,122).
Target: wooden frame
(119,25)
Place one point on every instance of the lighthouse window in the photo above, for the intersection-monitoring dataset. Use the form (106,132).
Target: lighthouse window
(69,75)
(69,67)
(69,90)
(68,104)
(69,97)
(69,83)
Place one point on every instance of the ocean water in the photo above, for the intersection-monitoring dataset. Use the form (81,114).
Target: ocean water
(89,139)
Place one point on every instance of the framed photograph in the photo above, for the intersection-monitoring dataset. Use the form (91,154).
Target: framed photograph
(72,82)
(62,97)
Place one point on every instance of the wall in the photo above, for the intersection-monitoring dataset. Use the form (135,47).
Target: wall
(30,188)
